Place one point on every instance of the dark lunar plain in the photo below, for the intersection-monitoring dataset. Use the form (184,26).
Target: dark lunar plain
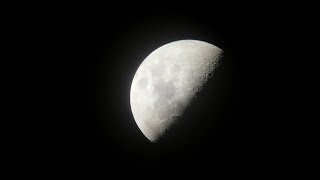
(92,55)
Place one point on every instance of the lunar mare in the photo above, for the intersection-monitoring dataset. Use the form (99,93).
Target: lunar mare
(166,82)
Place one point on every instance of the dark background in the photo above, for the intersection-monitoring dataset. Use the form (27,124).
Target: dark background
(68,70)
(91,57)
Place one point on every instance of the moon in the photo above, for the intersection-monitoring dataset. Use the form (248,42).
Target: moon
(167,81)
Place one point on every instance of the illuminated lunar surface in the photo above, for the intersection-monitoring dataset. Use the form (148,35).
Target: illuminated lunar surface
(167,81)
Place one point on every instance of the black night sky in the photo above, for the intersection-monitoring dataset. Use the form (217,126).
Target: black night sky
(93,55)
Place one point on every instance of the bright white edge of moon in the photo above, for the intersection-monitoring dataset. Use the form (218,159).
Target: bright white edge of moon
(166,82)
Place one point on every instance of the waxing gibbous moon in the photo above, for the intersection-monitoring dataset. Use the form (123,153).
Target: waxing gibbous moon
(167,81)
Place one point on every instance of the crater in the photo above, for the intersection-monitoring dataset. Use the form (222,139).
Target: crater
(179,108)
